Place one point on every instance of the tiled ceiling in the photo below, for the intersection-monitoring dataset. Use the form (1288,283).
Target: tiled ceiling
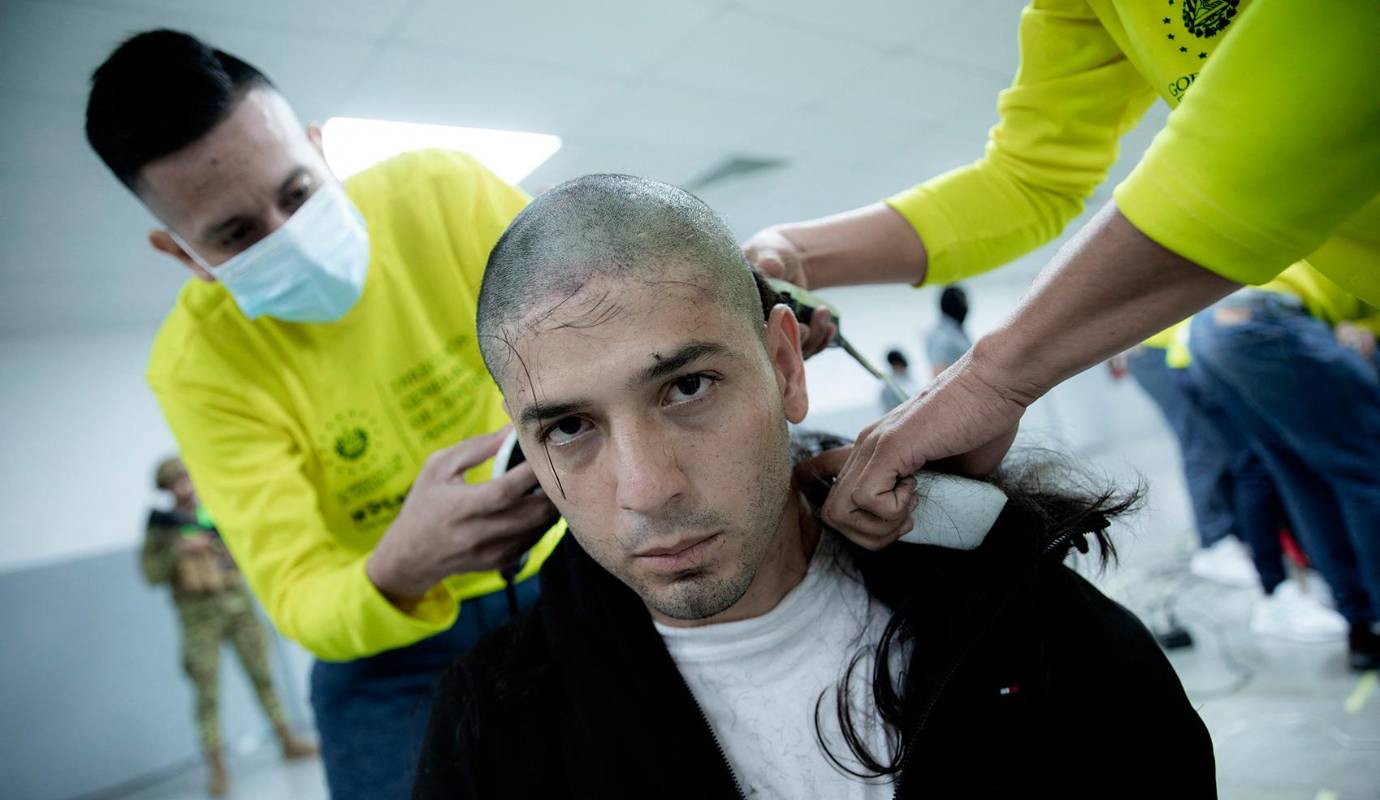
(859,98)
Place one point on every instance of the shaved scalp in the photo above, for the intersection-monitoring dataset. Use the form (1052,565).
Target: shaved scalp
(601,226)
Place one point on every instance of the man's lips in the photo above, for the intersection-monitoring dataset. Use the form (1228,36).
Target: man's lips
(680,555)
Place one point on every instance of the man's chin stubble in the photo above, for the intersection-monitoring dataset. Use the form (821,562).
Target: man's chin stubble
(698,602)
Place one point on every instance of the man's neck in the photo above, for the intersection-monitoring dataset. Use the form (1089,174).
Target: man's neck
(782,569)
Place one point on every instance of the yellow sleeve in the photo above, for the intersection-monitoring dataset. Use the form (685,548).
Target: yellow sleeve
(1074,95)
(479,206)
(1370,323)
(1276,144)
(250,473)
(1368,317)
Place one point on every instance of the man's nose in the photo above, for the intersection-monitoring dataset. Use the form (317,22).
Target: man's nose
(277,217)
(647,470)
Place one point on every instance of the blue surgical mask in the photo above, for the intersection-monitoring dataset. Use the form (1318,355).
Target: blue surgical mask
(310,270)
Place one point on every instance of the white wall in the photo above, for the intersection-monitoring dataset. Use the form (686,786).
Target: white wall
(81,434)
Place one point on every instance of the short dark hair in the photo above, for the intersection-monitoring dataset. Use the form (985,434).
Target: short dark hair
(897,359)
(953,303)
(608,225)
(158,92)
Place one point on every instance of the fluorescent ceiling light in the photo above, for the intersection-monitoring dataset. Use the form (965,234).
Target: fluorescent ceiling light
(353,144)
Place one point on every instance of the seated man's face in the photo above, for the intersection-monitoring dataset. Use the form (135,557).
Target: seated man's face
(655,416)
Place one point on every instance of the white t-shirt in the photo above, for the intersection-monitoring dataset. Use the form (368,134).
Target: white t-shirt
(758,680)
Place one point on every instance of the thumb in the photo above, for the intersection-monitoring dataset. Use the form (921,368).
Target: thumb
(769,263)
(471,452)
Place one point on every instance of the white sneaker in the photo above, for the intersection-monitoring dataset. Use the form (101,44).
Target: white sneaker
(1227,563)
(1291,613)
(1315,587)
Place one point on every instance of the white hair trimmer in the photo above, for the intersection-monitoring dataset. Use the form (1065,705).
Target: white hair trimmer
(953,512)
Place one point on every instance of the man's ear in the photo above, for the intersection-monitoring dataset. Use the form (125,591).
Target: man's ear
(314,136)
(783,348)
(163,242)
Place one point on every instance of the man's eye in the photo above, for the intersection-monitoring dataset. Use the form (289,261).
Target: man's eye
(565,430)
(688,388)
(236,235)
(296,198)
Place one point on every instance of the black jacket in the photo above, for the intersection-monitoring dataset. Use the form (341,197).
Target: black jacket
(579,698)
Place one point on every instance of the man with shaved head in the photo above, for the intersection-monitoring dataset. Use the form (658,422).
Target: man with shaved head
(701,633)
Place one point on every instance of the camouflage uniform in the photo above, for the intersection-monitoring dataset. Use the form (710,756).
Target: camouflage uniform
(213,606)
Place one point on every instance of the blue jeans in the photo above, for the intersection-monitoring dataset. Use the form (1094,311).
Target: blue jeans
(1204,454)
(1312,411)
(372,712)
(1257,508)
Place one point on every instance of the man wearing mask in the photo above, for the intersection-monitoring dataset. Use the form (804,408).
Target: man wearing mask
(327,405)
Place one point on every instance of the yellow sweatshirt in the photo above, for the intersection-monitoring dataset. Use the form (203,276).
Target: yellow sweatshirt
(1271,154)
(1323,298)
(303,439)
(1174,342)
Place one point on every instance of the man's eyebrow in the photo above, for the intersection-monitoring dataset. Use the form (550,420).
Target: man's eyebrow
(215,230)
(686,354)
(538,411)
(665,365)
(238,219)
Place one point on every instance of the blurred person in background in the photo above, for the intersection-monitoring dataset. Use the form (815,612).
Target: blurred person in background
(183,549)
(900,375)
(329,400)
(1238,513)
(1159,367)
(947,341)
(1293,362)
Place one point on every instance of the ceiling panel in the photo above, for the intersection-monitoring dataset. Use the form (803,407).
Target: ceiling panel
(882,22)
(618,37)
(767,58)
(915,88)
(49,49)
(405,82)
(364,18)
(978,33)
(680,116)
(670,162)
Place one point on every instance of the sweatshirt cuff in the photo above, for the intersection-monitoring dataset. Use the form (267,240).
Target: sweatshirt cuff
(435,612)
(1170,209)
(937,233)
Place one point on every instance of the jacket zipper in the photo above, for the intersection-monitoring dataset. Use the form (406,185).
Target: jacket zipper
(929,707)
(723,757)
(953,668)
